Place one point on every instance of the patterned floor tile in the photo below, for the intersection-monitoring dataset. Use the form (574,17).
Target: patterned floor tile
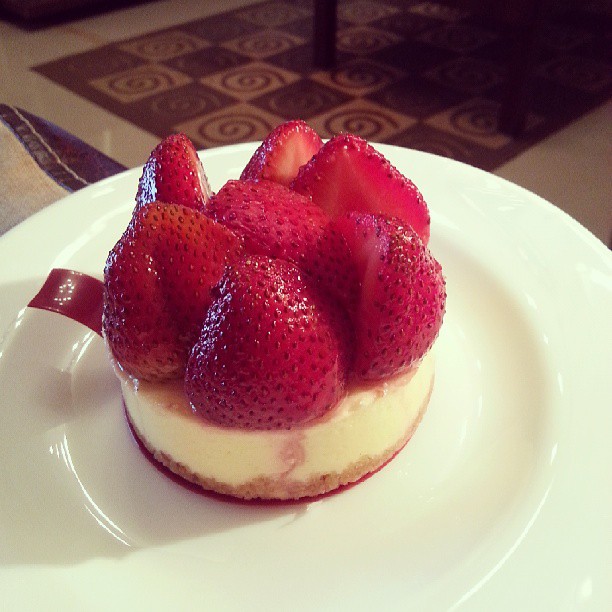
(416,97)
(238,123)
(160,113)
(358,78)
(437,10)
(577,72)
(262,44)
(365,11)
(303,28)
(251,80)
(303,99)
(413,56)
(364,118)
(207,61)
(140,82)
(297,59)
(220,28)
(164,46)
(274,14)
(475,121)
(426,138)
(405,24)
(90,65)
(468,75)
(363,40)
(457,37)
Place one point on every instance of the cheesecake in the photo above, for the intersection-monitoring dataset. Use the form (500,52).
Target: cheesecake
(274,339)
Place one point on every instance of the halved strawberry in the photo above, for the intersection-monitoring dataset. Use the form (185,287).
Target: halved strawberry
(273,220)
(402,299)
(283,151)
(349,174)
(174,174)
(158,279)
(272,353)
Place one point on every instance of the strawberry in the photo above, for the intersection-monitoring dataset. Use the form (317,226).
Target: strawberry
(273,351)
(158,279)
(283,151)
(137,325)
(275,221)
(174,174)
(402,297)
(349,174)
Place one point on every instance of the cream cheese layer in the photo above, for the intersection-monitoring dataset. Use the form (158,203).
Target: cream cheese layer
(366,423)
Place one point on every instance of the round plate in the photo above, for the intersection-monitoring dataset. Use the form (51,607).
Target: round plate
(501,500)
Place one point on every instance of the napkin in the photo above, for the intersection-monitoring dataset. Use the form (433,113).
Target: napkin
(40,163)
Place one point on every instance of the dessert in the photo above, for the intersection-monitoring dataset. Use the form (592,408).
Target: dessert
(273,340)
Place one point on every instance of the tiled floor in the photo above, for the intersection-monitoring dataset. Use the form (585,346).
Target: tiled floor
(571,168)
(406,74)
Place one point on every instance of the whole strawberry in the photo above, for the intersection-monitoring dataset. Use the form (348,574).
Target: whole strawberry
(157,283)
(283,151)
(273,352)
(402,299)
(174,174)
(348,174)
(273,220)
(137,324)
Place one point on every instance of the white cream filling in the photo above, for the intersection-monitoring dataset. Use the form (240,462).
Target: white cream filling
(367,423)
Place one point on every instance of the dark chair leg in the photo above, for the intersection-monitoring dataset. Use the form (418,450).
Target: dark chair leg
(324,36)
(513,111)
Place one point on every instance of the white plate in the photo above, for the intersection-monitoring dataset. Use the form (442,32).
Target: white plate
(501,501)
